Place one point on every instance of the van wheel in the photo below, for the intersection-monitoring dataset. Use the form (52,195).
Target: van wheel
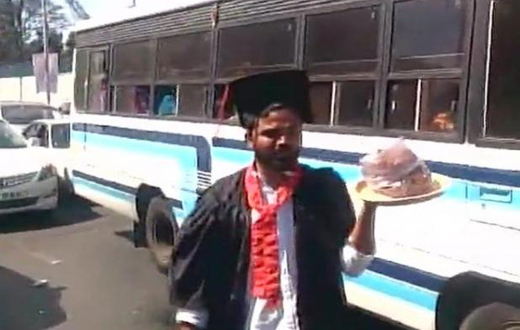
(495,316)
(161,229)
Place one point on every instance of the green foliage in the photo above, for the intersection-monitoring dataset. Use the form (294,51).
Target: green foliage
(21,28)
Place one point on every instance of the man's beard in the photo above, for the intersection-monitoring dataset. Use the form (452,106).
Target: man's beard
(278,161)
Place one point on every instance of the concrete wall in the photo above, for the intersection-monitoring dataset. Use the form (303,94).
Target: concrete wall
(24,89)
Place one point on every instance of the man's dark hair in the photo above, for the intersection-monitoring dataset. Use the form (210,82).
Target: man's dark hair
(250,121)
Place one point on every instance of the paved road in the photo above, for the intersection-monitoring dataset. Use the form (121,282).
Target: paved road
(96,279)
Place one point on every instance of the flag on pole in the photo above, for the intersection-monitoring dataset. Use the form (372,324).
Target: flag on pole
(40,72)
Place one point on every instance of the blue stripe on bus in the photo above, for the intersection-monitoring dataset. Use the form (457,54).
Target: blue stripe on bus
(185,155)
(198,142)
(103,189)
(408,274)
(396,289)
(111,188)
(343,162)
(348,172)
(464,172)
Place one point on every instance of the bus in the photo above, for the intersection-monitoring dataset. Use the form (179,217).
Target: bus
(148,136)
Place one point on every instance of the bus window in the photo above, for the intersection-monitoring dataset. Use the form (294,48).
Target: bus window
(80,79)
(401,105)
(132,63)
(165,101)
(423,105)
(503,115)
(428,34)
(132,99)
(415,103)
(329,51)
(249,48)
(321,102)
(228,112)
(356,103)
(439,105)
(184,56)
(97,82)
(192,100)
(342,42)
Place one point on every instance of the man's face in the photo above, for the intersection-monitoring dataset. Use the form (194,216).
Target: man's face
(276,140)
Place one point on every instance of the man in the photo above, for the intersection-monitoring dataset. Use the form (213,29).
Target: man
(265,247)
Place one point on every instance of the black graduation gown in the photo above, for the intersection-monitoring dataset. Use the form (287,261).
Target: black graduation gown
(211,260)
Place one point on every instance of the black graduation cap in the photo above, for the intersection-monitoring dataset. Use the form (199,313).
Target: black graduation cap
(253,94)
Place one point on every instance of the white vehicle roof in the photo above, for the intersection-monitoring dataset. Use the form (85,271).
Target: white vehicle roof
(43,105)
(139,11)
(56,121)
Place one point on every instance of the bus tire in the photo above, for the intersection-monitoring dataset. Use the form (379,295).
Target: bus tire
(161,229)
(139,234)
(466,293)
(494,316)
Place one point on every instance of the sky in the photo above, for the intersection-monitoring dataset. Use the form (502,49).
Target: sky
(97,8)
(100,8)
(108,11)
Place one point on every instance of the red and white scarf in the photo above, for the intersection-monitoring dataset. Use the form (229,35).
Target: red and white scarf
(265,264)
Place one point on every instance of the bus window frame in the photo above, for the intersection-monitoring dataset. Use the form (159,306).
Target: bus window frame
(219,76)
(462,73)
(383,75)
(477,86)
(470,100)
(183,78)
(86,101)
(374,75)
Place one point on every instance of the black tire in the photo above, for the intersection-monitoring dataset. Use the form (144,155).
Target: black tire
(139,234)
(47,215)
(161,229)
(467,292)
(495,316)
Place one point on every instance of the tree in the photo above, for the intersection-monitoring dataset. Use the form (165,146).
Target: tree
(10,41)
(77,9)
(21,26)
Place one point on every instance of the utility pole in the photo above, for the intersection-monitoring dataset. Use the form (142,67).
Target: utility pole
(46,50)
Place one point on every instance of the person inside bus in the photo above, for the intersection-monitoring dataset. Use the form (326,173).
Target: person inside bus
(265,248)
(165,101)
(141,99)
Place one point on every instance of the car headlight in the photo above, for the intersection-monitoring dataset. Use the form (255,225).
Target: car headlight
(47,172)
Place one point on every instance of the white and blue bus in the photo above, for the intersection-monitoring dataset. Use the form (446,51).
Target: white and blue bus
(147,135)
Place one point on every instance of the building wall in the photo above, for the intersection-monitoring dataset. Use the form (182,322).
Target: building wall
(24,89)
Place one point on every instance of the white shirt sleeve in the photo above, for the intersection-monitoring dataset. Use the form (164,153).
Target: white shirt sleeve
(196,318)
(354,262)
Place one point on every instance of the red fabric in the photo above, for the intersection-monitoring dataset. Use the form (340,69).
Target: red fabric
(223,104)
(265,265)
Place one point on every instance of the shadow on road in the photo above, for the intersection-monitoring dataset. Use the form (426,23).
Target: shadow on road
(359,320)
(73,211)
(25,307)
(126,234)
